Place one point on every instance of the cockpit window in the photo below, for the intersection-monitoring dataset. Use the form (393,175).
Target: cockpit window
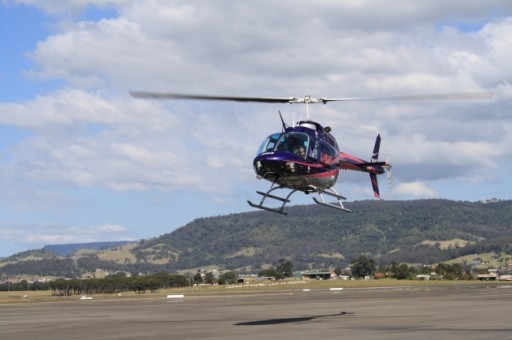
(294,142)
(269,143)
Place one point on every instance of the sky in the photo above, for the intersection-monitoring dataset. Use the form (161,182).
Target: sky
(82,161)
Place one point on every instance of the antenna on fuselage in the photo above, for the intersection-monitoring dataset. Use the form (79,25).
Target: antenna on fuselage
(282,121)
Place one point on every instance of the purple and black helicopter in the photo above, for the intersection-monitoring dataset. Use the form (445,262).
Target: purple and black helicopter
(306,157)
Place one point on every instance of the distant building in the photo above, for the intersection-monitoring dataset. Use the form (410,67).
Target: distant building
(492,275)
(266,278)
(505,278)
(380,276)
(423,277)
(317,275)
(246,279)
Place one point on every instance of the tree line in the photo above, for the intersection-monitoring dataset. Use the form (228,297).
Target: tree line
(360,267)
(366,267)
(119,282)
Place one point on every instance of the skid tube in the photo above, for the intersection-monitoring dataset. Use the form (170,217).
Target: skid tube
(331,192)
(278,198)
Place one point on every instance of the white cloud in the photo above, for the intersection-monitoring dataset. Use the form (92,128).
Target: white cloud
(36,235)
(89,133)
(109,228)
(187,47)
(414,190)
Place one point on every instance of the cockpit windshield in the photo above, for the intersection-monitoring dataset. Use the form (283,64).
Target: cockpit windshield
(294,142)
(269,143)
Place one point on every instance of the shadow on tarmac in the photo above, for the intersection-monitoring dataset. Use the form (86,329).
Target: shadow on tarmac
(289,320)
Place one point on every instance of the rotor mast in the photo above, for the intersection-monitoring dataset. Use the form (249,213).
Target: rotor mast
(307,100)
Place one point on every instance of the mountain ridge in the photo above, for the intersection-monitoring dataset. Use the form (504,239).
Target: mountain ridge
(310,237)
(68,249)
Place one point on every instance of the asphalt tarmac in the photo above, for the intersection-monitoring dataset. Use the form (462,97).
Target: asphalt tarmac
(444,312)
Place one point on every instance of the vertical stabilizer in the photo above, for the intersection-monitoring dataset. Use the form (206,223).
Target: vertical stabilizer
(375,158)
(376,148)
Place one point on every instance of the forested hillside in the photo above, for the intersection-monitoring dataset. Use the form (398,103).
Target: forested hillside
(420,231)
(313,236)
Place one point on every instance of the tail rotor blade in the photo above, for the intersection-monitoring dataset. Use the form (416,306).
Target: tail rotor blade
(376,148)
(389,172)
(390,176)
(375,185)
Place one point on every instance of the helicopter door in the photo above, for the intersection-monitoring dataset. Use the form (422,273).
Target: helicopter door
(327,154)
(313,150)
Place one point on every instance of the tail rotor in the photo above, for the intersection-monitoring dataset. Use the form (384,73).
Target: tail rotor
(384,167)
(389,172)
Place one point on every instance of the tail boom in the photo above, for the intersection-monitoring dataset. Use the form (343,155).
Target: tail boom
(349,162)
(374,167)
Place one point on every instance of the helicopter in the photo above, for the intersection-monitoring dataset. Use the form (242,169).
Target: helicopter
(305,157)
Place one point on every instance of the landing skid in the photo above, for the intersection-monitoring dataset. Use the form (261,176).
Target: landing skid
(278,198)
(284,200)
(331,192)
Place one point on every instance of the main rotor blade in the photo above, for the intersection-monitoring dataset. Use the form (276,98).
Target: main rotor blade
(166,95)
(309,99)
(440,96)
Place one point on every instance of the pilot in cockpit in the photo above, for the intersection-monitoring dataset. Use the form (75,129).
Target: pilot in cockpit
(301,151)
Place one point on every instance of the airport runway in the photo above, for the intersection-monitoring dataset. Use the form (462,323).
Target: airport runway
(440,312)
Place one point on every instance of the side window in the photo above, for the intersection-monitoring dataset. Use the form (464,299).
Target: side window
(313,151)
(326,154)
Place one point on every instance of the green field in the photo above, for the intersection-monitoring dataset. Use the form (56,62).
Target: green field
(291,286)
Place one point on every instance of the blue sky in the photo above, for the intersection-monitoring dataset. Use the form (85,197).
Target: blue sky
(81,160)
(15,45)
